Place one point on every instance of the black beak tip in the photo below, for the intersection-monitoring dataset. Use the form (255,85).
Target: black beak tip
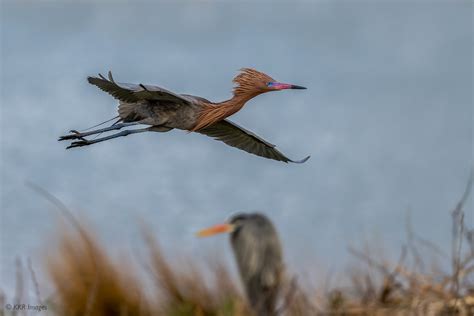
(298,87)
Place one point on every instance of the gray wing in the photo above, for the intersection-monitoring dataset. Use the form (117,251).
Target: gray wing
(236,136)
(132,93)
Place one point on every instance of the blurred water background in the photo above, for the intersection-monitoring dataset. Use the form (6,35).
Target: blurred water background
(387,118)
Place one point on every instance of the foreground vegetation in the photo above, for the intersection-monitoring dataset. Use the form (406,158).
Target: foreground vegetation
(87,280)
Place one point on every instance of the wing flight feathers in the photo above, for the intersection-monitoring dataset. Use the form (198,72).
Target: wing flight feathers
(128,92)
(238,137)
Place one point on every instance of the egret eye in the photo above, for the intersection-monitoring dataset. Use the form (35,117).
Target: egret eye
(270,84)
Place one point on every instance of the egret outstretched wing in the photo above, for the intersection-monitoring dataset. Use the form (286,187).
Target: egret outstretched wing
(128,92)
(236,136)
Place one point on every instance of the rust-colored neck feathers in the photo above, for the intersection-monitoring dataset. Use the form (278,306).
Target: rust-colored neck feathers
(248,84)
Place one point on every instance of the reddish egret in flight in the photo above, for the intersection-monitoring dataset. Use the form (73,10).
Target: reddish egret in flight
(164,110)
(258,253)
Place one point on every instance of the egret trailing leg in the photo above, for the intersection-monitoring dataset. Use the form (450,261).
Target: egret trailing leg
(78,135)
(86,142)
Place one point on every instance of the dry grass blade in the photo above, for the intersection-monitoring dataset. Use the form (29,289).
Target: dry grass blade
(88,282)
(458,229)
(35,282)
(185,290)
(20,290)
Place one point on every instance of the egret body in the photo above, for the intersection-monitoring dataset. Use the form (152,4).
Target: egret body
(163,110)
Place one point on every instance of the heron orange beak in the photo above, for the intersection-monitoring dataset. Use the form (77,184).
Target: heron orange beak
(283,86)
(216,229)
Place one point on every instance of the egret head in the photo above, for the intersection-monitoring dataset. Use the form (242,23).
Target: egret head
(251,81)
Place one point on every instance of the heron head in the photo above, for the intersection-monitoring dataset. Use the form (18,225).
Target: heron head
(234,224)
(216,229)
(256,82)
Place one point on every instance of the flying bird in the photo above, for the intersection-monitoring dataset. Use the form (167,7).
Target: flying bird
(258,253)
(163,110)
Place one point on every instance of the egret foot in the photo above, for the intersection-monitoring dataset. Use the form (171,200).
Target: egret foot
(80,143)
(75,135)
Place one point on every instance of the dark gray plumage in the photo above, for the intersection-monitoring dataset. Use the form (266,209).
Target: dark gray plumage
(258,253)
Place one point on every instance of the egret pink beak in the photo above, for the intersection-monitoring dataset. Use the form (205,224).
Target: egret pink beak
(282,86)
(216,229)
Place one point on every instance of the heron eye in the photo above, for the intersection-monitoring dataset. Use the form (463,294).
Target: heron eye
(237,219)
